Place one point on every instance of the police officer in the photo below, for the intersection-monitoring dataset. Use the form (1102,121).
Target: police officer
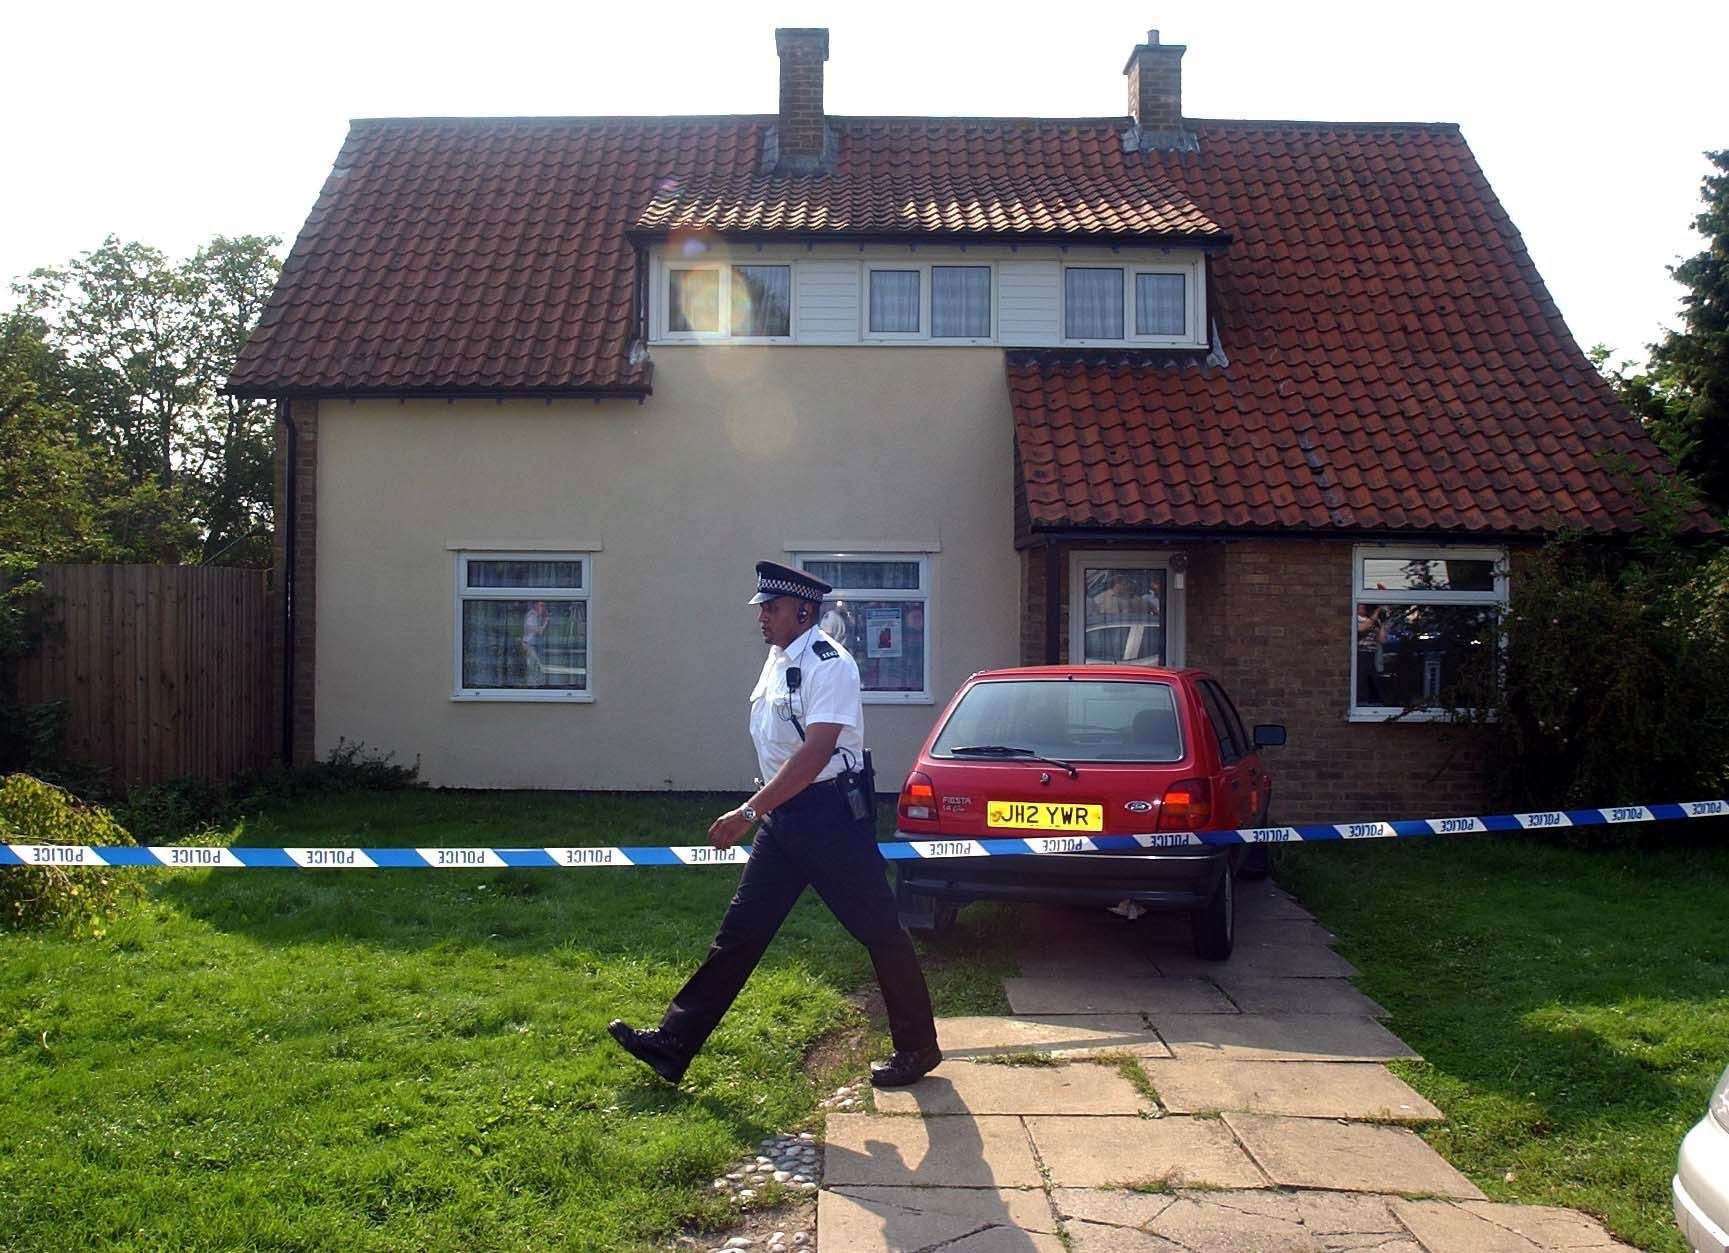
(807,722)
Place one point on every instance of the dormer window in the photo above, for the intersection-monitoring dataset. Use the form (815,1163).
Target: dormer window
(928,302)
(927,295)
(756,300)
(1150,304)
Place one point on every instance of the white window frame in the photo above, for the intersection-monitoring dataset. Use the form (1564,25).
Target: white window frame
(464,592)
(864,305)
(723,265)
(1175,608)
(1496,598)
(1194,303)
(924,594)
(925,334)
(723,313)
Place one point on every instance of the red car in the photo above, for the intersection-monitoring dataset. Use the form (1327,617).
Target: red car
(1047,752)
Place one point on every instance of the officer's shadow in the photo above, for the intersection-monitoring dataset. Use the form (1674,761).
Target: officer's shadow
(919,1181)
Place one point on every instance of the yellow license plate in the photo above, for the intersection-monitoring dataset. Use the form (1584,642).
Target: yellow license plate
(1045,816)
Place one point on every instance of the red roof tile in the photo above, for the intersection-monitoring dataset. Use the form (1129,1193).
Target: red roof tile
(1188,445)
(1394,359)
(951,202)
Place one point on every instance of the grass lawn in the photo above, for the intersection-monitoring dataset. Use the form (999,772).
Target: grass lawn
(409,1059)
(1572,1006)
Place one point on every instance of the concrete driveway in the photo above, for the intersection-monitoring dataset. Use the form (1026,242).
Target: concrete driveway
(1139,1099)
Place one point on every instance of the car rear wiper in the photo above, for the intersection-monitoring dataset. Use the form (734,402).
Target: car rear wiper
(1004,750)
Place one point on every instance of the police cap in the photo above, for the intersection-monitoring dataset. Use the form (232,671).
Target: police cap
(773,579)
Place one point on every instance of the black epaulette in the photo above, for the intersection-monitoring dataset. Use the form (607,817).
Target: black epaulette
(825,650)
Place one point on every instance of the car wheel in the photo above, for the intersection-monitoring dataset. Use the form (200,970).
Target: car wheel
(1215,923)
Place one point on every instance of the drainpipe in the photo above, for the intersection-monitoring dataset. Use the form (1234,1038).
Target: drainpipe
(284,414)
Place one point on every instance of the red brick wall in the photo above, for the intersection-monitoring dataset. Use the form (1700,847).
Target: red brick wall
(1272,619)
(304,414)
(802,53)
(1155,75)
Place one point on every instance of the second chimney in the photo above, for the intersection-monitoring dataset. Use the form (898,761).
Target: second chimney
(1155,73)
(803,49)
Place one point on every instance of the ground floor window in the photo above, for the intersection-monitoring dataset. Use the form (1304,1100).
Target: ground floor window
(522,626)
(1424,617)
(880,610)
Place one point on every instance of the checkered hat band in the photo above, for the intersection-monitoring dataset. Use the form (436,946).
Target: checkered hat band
(786,587)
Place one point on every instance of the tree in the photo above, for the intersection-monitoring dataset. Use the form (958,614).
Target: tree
(63,497)
(146,345)
(1690,367)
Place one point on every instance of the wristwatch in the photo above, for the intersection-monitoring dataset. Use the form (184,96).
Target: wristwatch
(750,814)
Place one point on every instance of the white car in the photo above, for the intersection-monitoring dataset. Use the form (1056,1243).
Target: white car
(1702,1178)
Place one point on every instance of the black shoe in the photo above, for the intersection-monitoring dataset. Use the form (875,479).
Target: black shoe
(906,1066)
(654,1048)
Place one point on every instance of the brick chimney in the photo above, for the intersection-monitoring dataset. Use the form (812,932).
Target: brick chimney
(802,138)
(1155,73)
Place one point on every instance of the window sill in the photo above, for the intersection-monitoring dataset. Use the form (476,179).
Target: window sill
(516,697)
(1131,343)
(895,698)
(1397,715)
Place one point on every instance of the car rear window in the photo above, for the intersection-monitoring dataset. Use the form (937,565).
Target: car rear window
(1072,719)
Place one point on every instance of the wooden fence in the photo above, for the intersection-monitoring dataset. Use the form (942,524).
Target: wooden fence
(166,671)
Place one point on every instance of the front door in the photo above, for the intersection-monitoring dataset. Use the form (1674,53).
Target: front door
(1125,608)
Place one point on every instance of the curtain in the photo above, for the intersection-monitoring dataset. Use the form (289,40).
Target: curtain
(894,301)
(695,303)
(1159,304)
(961,301)
(762,300)
(1093,300)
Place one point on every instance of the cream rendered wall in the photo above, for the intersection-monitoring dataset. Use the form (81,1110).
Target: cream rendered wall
(741,453)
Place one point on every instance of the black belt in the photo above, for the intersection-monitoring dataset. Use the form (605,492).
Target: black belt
(826,791)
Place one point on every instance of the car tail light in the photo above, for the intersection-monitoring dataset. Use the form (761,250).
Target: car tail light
(1188,806)
(918,799)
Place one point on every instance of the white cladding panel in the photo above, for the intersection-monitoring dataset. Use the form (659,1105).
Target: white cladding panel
(828,302)
(1029,302)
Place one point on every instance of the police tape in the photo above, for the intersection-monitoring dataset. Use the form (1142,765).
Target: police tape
(1032,844)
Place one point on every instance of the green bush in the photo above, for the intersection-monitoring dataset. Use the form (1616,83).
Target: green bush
(1612,683)
(34,812)
(165,812)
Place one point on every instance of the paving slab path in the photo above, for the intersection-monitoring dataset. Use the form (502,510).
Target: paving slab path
(1138,1100)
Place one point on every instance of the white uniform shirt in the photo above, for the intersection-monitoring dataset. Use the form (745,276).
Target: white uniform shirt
(828,692)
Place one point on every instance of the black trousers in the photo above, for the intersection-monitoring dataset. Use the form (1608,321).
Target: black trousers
(812,840)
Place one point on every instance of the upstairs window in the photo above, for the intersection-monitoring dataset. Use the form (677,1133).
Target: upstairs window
(960,301)
(762,301)
(1148,304)
(896,302)
(693,301)
(1160,304)
(928,302)
(740,301)
(1093,303)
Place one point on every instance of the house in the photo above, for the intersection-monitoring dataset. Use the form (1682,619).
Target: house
(1281,399)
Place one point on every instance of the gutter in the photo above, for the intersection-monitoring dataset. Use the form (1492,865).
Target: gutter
(272,391)
(1095,535)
